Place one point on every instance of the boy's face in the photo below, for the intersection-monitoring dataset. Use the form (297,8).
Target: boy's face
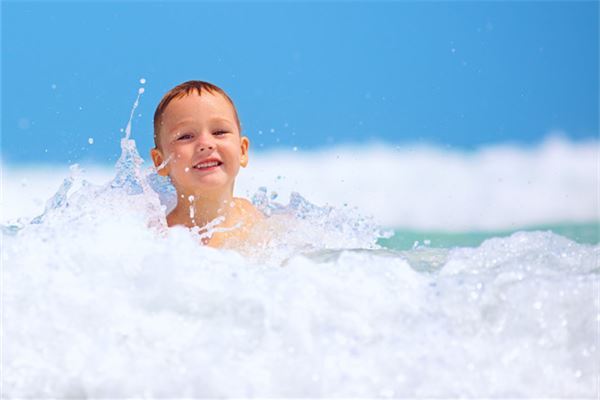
(200,137)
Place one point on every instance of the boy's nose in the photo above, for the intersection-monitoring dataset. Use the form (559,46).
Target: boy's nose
(205,143)
(206,147)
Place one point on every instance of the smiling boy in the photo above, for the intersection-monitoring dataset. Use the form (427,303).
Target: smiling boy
(198,144)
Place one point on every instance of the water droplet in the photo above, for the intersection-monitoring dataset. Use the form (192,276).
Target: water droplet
(143,81)
(91,140)
(23,123)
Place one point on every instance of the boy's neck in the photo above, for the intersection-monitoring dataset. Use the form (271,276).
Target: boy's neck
(199,210)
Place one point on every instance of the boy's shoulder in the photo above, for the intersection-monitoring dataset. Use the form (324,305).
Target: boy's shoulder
(247,209)
(247,216)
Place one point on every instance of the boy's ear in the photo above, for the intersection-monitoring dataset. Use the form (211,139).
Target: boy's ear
(245,144)
(157,159)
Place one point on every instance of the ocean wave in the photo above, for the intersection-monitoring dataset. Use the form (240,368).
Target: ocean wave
(113,309)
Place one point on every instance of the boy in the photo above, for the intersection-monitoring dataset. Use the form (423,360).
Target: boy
(198,144)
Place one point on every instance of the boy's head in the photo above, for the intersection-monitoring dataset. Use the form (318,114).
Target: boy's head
(197,134)
(182,90)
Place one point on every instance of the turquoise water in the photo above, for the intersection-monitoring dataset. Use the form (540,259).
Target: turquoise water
(405,239)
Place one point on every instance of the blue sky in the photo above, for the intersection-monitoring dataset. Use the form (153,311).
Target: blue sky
(305,74)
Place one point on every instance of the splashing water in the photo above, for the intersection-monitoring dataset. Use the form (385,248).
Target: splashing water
(100,299)
(128,166)
(164,163)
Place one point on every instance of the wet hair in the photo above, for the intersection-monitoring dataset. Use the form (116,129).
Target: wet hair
(182,90)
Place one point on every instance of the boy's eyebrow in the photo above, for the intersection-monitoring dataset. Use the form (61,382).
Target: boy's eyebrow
(182,122)
(220,119)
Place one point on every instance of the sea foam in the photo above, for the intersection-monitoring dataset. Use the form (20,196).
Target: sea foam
(102,306)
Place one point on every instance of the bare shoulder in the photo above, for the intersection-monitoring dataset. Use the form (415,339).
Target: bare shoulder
(248,210)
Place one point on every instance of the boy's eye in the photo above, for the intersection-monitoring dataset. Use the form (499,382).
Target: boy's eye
(220,132)
(185,136)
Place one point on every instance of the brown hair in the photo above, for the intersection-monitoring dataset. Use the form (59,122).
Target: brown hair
(185,89)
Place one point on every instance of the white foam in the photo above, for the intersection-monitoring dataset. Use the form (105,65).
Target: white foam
(500,187)
(107,308)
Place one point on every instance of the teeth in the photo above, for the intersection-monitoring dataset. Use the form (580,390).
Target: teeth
(207,164)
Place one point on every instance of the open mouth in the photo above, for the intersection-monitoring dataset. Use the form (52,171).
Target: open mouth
(207,164)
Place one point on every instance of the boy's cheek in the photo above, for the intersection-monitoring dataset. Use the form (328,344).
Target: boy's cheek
(175,157)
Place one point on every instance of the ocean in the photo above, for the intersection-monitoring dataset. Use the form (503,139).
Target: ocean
(400,272)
